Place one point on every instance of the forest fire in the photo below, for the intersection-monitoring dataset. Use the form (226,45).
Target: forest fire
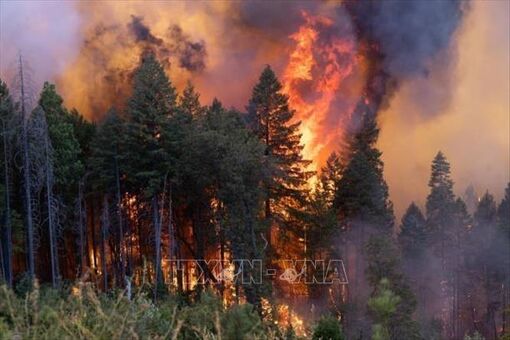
(161,187)
(318,68)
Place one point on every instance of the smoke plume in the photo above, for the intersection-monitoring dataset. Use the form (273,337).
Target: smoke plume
(330,56)
(403,40)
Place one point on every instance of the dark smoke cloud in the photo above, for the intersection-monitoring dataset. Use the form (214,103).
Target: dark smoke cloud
(142,32)
(403,40)
(191,54)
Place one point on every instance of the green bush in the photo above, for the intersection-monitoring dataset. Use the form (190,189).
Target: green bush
(45,313)
(328,328)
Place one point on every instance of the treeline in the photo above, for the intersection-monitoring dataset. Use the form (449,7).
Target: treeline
(165,178)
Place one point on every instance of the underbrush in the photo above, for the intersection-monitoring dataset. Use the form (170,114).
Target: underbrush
(82,313)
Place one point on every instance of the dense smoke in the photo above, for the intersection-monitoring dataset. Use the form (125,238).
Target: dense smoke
(402,41)
(90,49)
(191,55)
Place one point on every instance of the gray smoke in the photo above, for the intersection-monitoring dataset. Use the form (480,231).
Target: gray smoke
(176,44)
(405,39)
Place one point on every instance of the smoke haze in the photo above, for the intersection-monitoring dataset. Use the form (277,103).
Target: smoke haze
(432,75)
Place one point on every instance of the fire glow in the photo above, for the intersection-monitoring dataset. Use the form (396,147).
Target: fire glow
(318,67)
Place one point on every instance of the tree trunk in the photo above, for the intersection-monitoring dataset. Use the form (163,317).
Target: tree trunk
(26,177)
(51,220)
(156,220)
(82,226)
(104,229)
(121,224)
(7,250)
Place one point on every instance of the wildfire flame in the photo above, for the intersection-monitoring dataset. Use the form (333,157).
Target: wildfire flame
(322,63)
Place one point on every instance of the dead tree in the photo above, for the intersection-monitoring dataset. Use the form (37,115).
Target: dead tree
(22,86)
(39,136)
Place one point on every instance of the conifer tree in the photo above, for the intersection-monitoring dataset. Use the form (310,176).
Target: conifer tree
(152,103)
(106,163)
(412,236)
(384,265)
(504,212)
(6,135)
(503,245)
(68,167)
(189,102)
(486,262)
(272,121)
(446,224)
(362,191)
(440,204)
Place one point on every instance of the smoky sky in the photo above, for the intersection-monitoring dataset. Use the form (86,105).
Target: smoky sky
(408,38)
(409,33)
(191,55)
(142,32)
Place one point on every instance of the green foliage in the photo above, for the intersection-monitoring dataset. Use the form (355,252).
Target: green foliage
(383,273)
(383,305)
(362,191)
(83,314)
(241,322)
(67,165)
(413,235)
(84,132)
(441,200)
(107,151)
(270,117)
(504,213)
(475,336)
(328,328)
(151,105)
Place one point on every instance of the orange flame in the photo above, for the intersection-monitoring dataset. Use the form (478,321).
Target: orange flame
(323,62)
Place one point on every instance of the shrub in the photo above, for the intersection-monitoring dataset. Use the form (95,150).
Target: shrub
(328,328)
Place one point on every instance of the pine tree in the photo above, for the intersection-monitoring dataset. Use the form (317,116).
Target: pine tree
(330,176)
(272,121)
(68,167)
(503,245)
(106,163)
(6,134)
(486,263)
(63,167)
(384,265)
(363,209)
(152,103)
(362,191)
(189,102)
(504,212)
(440,205)
(447,223)
(412,236)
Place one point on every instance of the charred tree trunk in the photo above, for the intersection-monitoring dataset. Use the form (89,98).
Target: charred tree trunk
(121,224)
(26,175)
(51,214)
(6,248)
(156,220)
(94,242)
(82,227)
(173,246)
